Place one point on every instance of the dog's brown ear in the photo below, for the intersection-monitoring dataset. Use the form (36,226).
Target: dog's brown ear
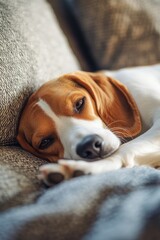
(25,145)
(115,105)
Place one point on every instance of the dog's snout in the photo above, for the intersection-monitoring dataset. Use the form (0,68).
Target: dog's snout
(90,147)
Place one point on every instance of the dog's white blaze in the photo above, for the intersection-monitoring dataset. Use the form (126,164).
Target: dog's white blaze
(72,130)
(47,110)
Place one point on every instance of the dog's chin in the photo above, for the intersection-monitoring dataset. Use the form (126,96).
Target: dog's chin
(105,152)
(103,155)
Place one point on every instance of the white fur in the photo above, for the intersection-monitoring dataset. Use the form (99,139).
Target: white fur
(144,85)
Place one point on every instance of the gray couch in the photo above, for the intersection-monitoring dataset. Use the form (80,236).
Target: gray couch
(35,47)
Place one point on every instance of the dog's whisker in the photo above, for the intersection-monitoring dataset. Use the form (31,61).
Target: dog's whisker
(120,132)
(116,122)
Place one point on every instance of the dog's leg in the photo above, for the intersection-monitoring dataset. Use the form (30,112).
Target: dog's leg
(53,173)
(143,150)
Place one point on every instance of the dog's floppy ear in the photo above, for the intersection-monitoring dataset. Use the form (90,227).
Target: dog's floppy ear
(25,145)
(115,105)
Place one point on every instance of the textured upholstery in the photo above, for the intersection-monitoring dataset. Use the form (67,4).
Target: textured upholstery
(119,33)
(18,177)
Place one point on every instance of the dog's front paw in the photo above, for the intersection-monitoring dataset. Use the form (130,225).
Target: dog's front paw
(52,174)
(76,168)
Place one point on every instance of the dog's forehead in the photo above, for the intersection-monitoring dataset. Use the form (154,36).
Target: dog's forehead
(46,110)
(59,95)
(56,90)
(53,97)
(63,82)
(37,120)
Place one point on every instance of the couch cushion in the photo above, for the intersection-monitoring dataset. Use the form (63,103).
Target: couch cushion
(18,177)
(119,33)
(33,50)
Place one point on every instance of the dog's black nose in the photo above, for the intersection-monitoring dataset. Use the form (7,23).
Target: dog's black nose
(90,147)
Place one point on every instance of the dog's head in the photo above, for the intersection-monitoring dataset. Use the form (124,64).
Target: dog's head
(78,116)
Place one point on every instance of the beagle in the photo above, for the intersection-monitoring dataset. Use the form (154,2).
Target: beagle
(94,122)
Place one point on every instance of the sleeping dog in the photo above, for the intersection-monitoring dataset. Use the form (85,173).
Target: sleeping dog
(80,120)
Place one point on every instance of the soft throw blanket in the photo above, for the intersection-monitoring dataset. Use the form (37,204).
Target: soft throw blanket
(119,205)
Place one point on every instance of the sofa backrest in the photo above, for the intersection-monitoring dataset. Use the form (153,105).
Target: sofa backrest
(118,33)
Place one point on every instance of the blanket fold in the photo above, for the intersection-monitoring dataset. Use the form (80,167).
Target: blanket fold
(119,205)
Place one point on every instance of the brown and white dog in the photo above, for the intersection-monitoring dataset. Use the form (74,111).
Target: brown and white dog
(82,117)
